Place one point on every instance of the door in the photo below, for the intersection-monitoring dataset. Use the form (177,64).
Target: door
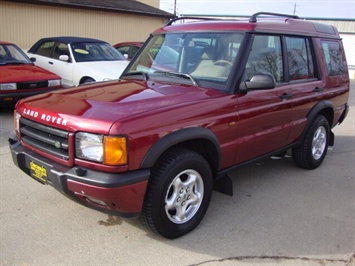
(63,68)
(264,114)
(307,87)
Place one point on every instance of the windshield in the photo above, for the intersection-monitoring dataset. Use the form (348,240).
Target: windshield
(12,55)
(100,51)
(203,59)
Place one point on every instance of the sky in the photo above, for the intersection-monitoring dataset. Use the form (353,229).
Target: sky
(302,8)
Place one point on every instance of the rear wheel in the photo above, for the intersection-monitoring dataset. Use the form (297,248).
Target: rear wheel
(88,80)
(178,193)
(311,153)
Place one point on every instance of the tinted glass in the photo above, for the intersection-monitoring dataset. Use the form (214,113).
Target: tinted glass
(265,57)
(333,58)
(300,61)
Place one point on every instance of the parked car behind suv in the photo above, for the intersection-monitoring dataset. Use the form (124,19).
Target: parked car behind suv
(128,49)
(155,143)
(20,78)
(78,60)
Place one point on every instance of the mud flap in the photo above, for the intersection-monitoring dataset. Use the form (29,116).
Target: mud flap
(224,185)
(331,138)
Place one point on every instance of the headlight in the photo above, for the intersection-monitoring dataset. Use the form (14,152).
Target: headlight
(8,86)
(110,150)
(89,146)
(54,82)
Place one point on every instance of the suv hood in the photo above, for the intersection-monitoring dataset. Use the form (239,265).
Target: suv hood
(99,105)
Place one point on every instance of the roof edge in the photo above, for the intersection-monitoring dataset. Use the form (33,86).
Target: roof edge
(160,13)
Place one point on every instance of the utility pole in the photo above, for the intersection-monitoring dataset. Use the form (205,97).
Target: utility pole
(175,8)
(294,9)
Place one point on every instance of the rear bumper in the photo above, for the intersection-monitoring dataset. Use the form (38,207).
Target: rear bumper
(121,193)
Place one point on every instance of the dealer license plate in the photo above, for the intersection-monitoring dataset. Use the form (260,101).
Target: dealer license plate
(38,172)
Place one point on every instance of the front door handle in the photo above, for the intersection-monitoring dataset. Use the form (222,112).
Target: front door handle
(286,96)
(318,89)
(50,62)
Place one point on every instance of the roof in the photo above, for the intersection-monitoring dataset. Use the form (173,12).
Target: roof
(286,24)
(63,39)
(119,6)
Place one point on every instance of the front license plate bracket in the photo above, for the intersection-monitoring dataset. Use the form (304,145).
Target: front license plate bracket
(38,172)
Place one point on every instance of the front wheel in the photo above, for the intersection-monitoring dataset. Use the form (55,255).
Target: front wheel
(178,194)
(311,153)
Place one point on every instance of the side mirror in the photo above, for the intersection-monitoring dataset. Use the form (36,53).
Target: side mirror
(125,56)
(259,82)
(33,59)
(64,58)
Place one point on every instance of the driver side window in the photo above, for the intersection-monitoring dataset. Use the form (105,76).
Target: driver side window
(265,58)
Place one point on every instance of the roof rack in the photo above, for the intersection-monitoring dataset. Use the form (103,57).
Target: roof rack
(253,18)
(170,22)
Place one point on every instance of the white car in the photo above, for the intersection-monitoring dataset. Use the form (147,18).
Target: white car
(78,60)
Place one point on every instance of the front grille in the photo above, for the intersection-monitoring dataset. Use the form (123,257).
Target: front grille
(32,85)
(47,139)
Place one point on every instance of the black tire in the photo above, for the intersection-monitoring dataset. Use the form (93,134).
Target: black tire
(313,149)
(178,194)
(87,80)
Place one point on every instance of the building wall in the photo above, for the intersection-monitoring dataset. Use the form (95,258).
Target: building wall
(24,24)
(153,3)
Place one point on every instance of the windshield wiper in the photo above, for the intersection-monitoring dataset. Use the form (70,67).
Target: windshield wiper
(14,63)
(144,74)
(179,75)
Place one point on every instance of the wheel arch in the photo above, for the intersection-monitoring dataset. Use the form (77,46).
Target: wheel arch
(198,139)
(324,108)
(82,79)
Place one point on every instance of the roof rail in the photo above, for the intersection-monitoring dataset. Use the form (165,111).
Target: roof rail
(170,22)
(253,18)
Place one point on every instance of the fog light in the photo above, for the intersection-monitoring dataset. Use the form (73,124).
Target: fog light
(96,201)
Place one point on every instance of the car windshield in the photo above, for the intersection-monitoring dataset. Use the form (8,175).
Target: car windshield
(203,59)
(95,51)
(10,54)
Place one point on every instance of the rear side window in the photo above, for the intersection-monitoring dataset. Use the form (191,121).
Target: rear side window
(333,57)
(300,60)
(45,49)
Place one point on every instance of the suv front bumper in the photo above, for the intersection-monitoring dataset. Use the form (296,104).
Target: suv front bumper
(117,193)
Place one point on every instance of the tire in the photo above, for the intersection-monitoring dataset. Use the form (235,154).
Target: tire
(178,194)
(313,149)
(88,80)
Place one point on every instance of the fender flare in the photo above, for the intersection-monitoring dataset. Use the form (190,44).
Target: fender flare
(177,137)
(315,111)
